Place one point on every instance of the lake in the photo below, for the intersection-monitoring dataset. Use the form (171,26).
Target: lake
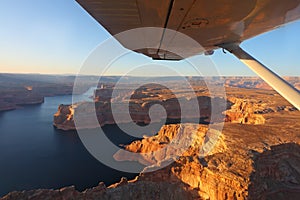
(33,154)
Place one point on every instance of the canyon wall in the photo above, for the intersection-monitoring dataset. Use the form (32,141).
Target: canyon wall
(238,110)
(255,156)
(138,110)
(247,162)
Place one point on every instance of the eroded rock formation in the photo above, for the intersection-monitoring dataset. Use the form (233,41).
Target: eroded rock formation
(277,172)
(136,110)
(240,162)
(247,162)
(244,111)
(239,110)
(256,82)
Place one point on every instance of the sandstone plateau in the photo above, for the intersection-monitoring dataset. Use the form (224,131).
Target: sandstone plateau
(247,162)
(245,106)
(256,155)
(27,89)
(254,82)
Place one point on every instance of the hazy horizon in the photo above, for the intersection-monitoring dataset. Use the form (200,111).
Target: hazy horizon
(54,74)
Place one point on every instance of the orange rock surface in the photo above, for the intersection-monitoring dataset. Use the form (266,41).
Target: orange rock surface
(255,156)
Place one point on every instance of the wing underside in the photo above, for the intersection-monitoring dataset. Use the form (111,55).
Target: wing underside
(211,23)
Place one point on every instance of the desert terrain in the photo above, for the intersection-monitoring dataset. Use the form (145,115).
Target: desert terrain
(18,90)
(256,155)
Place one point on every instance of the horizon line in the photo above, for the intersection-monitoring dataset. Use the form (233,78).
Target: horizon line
(115,75)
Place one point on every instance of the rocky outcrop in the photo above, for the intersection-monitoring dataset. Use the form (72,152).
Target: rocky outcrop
(242,106)
(28,89)
(20,98)
(28,96)
(171,141)
(253,110)
(211,176)
(138,110)
(277,171)
(256,82)
(123,191)
(246,162)
(244,111)
(63,118)
(241,162)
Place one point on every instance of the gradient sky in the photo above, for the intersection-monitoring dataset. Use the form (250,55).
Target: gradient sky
(56,36)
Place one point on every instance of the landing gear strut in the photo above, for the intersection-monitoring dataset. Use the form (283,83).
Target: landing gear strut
(276,82)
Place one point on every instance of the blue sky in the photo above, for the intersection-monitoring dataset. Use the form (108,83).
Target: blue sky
(56,36)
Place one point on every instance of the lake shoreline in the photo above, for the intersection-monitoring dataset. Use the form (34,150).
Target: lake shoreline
(49,159)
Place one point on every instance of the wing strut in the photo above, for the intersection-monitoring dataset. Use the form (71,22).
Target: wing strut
(276,82)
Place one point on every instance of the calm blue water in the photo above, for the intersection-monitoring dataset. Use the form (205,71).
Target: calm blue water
(33,154)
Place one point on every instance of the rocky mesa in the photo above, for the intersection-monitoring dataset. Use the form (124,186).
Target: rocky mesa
(237,108)
(246,162)
(255,155)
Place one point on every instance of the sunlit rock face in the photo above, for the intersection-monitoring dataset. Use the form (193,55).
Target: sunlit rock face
(244,106)
(63,118)
(247,162)
(137,110)
(256,155)
(29,88)
(256,82)
(244,111)
(210,176)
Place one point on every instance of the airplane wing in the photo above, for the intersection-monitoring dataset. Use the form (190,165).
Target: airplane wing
(210,22)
